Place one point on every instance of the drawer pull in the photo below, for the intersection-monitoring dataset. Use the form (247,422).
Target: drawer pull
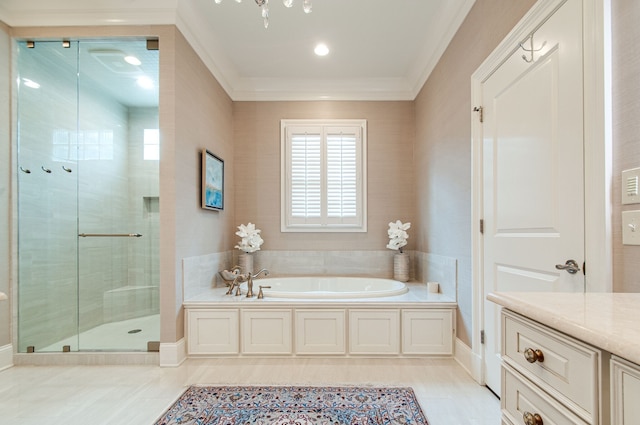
(533,356)
(532,418)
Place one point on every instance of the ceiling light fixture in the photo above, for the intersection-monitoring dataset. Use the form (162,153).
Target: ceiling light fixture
(145,82)
(264,5)
(132,60)
(321,50)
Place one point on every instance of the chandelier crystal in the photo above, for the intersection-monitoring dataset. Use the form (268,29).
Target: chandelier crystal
(264,6)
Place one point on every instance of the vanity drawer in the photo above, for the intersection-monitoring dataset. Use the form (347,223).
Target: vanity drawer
(520,397)
(568,369)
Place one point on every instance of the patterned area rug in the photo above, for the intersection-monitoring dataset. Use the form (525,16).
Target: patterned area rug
(295,406)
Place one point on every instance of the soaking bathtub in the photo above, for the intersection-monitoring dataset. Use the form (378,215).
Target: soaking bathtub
(320,287)
(320,316)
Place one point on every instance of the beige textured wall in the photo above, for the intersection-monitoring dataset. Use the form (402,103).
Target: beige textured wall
(391,186)
(195,114)
(626,132)
(442,153)
(5,183)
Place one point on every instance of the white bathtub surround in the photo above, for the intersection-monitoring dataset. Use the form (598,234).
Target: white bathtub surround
(200,273)
(401,269)
(336,263)
(416,323)
(437,268)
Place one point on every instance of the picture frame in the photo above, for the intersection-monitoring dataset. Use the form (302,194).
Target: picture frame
(212,181)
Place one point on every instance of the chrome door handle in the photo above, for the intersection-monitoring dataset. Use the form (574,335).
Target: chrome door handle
(570,266)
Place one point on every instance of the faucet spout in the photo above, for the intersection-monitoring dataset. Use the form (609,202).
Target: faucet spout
(250,278)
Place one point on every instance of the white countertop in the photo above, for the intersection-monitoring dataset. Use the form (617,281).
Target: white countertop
(418,294)
(610,321)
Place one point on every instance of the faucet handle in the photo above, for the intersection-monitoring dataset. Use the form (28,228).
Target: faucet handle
(260,294)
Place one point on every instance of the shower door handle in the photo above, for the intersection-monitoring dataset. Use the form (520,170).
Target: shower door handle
(110,235)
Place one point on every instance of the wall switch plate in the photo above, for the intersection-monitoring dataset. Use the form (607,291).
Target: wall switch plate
(631,228)
(631,186)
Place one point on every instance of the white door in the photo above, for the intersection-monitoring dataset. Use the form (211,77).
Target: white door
(533,180)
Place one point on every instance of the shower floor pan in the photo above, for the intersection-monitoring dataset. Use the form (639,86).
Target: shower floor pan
(125,335)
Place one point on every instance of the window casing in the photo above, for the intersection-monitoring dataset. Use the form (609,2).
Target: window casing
(323,175)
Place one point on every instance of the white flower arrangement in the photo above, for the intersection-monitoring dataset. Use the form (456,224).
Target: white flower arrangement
(251,239)
(398,235)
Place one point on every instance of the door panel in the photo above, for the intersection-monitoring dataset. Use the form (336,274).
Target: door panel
(533,196)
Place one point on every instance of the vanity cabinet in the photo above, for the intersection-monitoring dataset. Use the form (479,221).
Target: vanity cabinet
(625,392)
(578,353)
(548,377)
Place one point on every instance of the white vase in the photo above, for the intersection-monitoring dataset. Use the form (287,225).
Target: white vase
(245,261)
(401,267)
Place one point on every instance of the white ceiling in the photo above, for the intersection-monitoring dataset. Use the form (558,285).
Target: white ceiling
(380,50)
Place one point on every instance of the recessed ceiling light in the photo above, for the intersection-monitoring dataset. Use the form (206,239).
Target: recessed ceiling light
(145,82)
(321,50)
(132,60)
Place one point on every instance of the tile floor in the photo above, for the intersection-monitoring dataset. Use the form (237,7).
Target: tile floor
(137,395)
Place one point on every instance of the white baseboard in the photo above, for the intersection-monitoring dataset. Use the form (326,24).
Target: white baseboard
(172,354)
(6,356)
(470,361)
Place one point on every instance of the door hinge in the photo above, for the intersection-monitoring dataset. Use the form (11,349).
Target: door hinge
(584,268)
(479,109)
(481,337)
(482,226)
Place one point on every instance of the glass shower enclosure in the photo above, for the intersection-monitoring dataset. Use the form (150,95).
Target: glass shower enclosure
(88,196)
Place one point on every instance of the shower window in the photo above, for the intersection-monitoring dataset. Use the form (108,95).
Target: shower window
(151,144)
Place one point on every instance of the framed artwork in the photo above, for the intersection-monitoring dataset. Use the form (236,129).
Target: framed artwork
(212,181)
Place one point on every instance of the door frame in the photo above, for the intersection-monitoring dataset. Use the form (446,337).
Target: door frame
(597,152)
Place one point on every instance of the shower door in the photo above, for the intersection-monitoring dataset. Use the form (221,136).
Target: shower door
(47,197)
(94,127)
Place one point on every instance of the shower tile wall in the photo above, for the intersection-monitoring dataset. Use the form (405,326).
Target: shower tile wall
(102,201)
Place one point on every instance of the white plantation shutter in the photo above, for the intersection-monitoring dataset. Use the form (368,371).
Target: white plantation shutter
(342,177)
(323,176)
(306,176)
